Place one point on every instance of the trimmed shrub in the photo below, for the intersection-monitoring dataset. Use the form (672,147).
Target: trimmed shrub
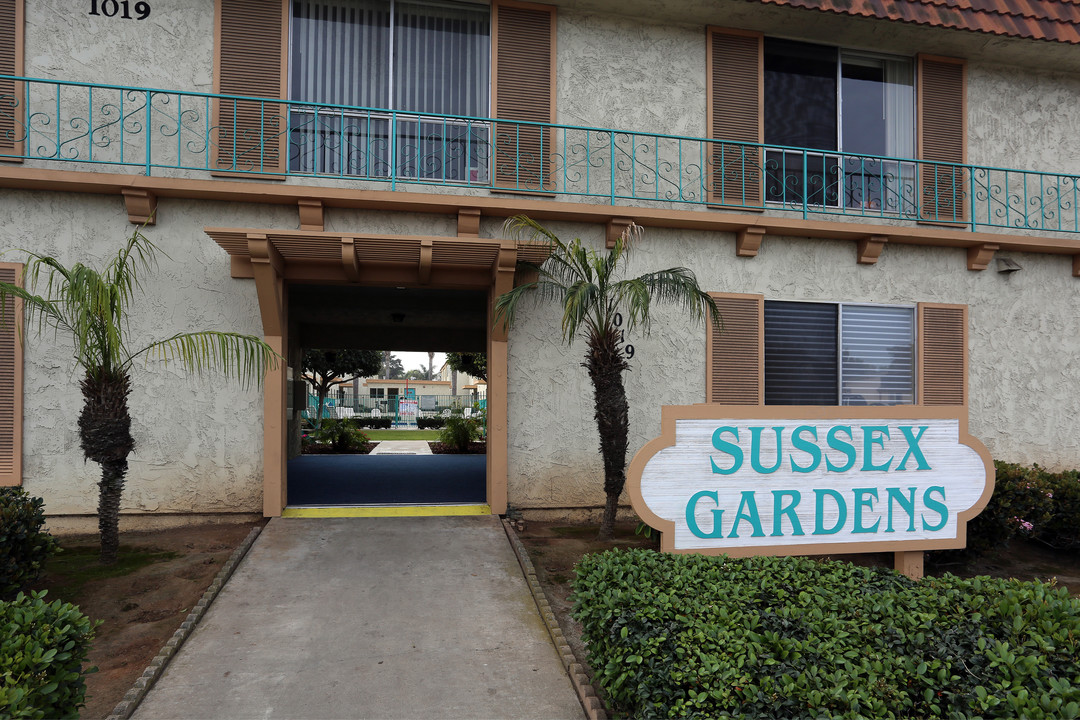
(764,637)
(430,423)
(24,546)
(42,649)
(459,432)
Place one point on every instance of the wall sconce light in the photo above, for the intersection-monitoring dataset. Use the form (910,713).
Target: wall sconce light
(1007,265)
(398,317)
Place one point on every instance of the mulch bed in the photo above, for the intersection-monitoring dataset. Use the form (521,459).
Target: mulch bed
(475,448)
(315,449)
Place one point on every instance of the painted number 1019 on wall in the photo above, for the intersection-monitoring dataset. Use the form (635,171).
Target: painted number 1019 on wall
(121,8)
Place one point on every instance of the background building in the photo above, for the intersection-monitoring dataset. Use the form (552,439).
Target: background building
(852,179)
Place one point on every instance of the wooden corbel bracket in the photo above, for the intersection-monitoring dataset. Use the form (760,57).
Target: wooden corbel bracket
(979,256)
(748,241)
(141,206)
(870,249)
(425,261)
(468,222)
(615,228)
(1076,265)
(311,215)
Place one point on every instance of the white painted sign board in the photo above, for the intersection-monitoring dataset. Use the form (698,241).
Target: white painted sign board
(784,480)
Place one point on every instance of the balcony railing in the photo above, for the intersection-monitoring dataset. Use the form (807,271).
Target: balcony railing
(165,132)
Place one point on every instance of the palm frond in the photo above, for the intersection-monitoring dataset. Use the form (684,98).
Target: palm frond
(244,357)
(677,286)
(579,302)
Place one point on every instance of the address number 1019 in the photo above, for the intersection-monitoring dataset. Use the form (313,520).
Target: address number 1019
(121,8)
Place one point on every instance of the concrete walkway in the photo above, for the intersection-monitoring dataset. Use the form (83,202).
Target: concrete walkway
(370,618)
(402,447)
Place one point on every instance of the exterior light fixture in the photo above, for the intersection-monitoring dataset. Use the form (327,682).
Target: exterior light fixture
(1007,265)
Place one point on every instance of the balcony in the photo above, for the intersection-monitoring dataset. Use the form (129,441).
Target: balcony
(104,128)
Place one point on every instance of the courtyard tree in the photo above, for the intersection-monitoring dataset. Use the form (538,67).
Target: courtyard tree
(593,294)
(91,308)
(327,369)
(474,364)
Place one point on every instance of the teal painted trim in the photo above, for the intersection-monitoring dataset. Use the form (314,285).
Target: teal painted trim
(161,130)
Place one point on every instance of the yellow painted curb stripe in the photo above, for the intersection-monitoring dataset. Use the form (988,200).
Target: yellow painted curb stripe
(386,511)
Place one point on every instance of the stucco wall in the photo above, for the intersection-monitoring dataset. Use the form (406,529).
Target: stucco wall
(198,439)
(1023,346)
(171,49)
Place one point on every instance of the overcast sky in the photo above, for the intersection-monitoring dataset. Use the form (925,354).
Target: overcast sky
(413,360)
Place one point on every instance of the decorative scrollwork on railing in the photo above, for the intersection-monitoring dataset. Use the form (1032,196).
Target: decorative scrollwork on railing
(581,165)
(12,129)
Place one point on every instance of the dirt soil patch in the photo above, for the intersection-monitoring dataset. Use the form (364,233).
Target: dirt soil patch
(139,610)
(555,549)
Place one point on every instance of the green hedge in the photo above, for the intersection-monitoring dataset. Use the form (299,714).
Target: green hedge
(693,636)
(24,545)
(1028,502)
(42,648)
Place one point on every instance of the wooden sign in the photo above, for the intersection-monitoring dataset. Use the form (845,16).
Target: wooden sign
(787,480)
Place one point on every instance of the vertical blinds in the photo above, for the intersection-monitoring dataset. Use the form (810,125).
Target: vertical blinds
(412,57)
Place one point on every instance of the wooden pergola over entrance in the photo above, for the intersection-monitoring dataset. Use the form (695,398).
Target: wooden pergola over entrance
(275,258)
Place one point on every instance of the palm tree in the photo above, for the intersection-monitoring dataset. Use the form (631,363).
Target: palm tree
(92,308)
(587,285)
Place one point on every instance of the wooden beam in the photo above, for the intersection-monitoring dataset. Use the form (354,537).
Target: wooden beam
(870,249)
(1076,265)
(141,206)
(268,268)
(979,256)
(502,282)
(311,214)
(748,241)
(349,260)
(425,260)
(615,228)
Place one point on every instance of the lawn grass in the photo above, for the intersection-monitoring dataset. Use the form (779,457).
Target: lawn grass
(402,434)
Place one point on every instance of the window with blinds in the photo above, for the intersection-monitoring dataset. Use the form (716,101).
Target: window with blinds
(383,89)
(847,354)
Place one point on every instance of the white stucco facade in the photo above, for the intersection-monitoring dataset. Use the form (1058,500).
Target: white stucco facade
(636,67)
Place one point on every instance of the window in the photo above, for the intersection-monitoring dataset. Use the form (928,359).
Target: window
(385,87)
(378,392)
(858,109)
(772,352)
(839,354)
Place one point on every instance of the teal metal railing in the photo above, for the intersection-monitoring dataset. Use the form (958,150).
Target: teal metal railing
(162,131)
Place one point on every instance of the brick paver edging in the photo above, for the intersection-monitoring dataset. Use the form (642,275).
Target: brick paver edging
(594,709)
(135,695)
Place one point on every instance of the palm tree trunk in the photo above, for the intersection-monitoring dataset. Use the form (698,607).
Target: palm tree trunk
(606,364)
(105,436)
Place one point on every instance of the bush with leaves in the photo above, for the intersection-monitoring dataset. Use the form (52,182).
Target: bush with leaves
(459,432)
(42,649)
(430,423)
(1023,501)
(765,637)
(342,436)
(1062,528)
(24,545)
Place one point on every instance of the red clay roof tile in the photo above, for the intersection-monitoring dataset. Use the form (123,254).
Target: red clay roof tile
(1052,20)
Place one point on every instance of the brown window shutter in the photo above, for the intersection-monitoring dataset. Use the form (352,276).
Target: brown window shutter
(11,380)
(11,93)
(523,88)
(942,138)
(735,112)
(942,354)
(251,41)
(735,355)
